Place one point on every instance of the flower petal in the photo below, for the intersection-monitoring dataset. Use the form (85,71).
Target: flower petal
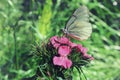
(86,56)
(53,39)
(54,42)
(81,49)
(62,61)
(72,44)
(84,50)
(57,61)
(64,40)
(68,63)
(64,50)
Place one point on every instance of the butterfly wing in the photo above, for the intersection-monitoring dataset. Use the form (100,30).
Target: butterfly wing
(78,26)
(81,13)
(80,30)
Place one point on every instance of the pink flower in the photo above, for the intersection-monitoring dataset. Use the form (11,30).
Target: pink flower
(64,40)
(72,45)
(62,61)
(64,47)
(64,50)
(54,41)
(81,49)
(86,56)
(84,50)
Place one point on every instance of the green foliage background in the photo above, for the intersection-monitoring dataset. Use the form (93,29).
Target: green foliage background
(24,23)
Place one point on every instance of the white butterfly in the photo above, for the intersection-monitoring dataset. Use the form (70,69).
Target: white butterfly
(78,26)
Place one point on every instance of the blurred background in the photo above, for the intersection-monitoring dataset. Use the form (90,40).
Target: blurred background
(24,23)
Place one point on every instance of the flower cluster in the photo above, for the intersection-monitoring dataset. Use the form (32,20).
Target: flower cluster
(64,48)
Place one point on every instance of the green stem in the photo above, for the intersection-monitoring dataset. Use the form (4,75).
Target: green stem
(83,74)
(15,50)
(15,45)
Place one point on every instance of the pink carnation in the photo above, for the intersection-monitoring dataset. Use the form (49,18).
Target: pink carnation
(84,50)
(62,61)
(54,41)
(86,56)
(64,40)
(72,45)
(64,50)
(64,47)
